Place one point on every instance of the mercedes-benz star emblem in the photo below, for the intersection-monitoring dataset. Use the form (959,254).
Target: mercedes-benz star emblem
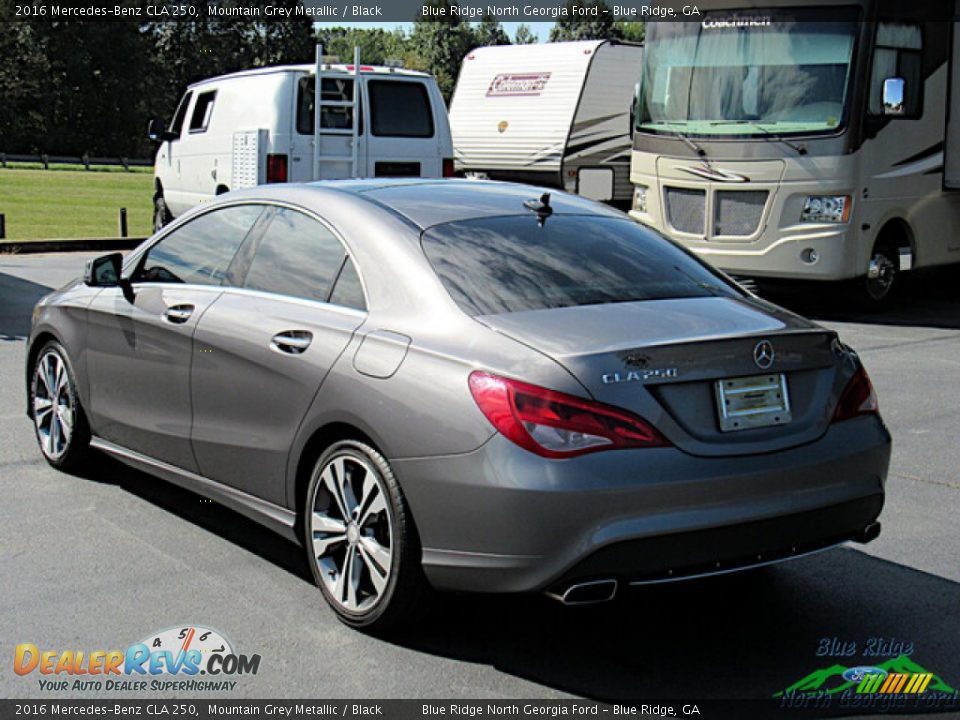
(763,354)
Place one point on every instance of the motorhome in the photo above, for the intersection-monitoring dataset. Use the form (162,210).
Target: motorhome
(803,140)
(261,126)
(555,114)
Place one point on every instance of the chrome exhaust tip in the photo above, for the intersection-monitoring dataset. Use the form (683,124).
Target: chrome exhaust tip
(587,593)
(869,533)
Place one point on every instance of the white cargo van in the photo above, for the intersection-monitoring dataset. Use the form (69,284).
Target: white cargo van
(258,126)
(554,114)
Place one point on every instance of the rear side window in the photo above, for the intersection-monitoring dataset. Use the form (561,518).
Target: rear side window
(297,256)
(348,291)
(331,117)
(510,264)
(177,125)
(202,112)
(200,251)
(400,109)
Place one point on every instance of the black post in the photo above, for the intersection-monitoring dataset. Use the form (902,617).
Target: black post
(126,166)
(46,161)
(123,222)
(86,161)
(3,226)
(3,159)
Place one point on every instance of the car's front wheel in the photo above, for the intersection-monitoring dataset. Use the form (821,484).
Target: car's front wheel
(360,539)
(58,418)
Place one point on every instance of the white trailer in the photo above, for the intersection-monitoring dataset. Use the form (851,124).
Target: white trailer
(804,139)
(555,114)
(261,126)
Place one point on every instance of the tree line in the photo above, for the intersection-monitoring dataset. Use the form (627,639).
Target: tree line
(75,88)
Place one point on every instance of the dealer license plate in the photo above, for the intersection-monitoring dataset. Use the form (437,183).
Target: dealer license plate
(752,402)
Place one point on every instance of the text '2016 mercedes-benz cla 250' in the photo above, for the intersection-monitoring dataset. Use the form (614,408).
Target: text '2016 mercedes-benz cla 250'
(462,385)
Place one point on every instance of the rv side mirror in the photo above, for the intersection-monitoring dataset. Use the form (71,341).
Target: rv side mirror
(633,108)
(103,271)
(892,98)
(157,131)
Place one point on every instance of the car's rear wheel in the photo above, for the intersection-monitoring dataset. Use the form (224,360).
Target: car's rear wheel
(360,539)
(58,418)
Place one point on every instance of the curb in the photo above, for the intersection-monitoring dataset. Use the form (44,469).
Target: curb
(25,247)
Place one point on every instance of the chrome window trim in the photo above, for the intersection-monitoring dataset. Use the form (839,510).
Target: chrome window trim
(134,258)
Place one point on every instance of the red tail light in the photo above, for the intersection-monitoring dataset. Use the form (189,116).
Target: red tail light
(556,425)
(276,168)
(858,398)
(448,167)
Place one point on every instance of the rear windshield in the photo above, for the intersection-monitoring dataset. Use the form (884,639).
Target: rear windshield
(510,264)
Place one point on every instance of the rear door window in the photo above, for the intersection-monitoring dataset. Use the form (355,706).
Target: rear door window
(511,264)
(400,109)
(331,118)
(299,257)
(200,251)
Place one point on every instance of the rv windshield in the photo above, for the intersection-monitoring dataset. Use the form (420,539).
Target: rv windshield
(748,73)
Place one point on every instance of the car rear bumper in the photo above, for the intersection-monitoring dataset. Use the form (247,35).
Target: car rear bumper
(501,519)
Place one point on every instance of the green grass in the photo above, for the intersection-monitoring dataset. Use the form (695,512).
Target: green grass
(76,166)
(47,205)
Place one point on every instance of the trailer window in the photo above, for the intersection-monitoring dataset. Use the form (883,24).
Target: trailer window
(898,53)
(177,125)
(332,118)
(202,112)
(400,109)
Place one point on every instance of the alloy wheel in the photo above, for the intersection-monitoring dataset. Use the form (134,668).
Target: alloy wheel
(54,410)
(351,531)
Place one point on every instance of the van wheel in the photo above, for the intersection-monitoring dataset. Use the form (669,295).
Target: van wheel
(360,540)
(161,215)
(875,291)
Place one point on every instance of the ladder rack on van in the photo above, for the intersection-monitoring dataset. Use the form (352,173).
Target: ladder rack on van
(319,103)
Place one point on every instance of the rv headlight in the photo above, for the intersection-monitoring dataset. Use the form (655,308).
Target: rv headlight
(826,209)
(640,198)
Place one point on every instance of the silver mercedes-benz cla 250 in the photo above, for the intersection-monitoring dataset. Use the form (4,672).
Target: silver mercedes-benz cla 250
(461,385)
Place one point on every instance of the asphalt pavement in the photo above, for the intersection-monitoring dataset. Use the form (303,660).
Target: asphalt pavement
(103,561)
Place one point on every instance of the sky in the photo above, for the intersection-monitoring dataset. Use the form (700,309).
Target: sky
(540,29)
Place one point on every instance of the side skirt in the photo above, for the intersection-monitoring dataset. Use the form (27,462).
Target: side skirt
(276,518)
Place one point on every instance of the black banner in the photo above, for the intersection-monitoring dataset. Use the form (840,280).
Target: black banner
(201,709)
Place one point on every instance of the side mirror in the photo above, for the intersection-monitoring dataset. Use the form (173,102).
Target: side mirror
(104,271)
(157,131)
(892,97)
(633,108)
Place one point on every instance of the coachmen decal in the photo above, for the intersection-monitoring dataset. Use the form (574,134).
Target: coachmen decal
(520,84)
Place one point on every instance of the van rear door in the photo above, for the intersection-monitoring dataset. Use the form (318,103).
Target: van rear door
(335,136)
(405,128)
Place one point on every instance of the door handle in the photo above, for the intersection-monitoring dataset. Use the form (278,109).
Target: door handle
(178,314)
(291,342)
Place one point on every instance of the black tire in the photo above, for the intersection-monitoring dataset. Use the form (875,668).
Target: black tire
(161,215)
(876,291)
(406,593)
(76,452)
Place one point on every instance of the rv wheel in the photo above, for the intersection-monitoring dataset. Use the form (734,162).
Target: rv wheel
(875,290)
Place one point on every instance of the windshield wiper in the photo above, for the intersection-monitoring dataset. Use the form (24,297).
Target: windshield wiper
(692,145)
(796,147)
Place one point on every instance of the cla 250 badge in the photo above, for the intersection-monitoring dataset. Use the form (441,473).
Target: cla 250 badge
(612,378)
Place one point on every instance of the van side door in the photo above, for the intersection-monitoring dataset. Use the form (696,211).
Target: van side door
(336,131)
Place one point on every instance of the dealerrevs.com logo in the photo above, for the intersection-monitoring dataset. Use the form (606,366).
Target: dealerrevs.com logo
(169,660)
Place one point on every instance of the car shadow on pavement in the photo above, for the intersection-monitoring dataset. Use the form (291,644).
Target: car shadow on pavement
(19,298)
(193,508)
(746,635)
(928,298)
